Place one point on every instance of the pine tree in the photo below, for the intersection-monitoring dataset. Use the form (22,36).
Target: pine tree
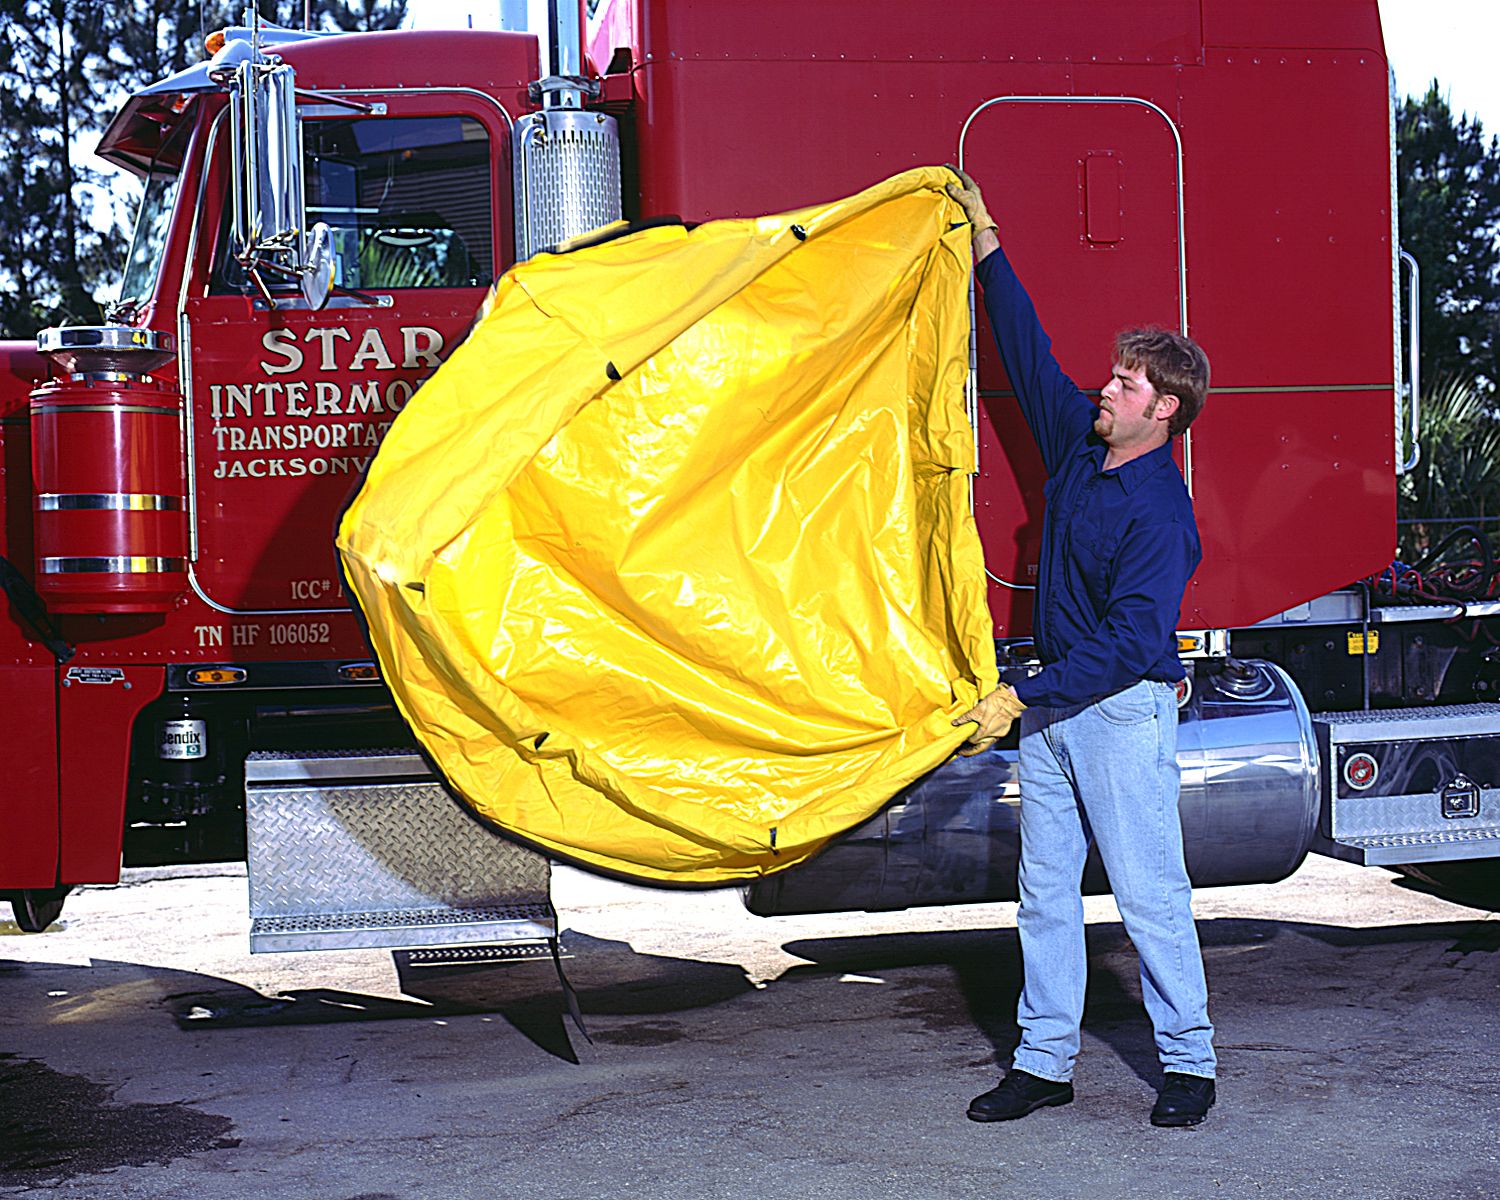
(65,66)
(1449,192)
(51,255)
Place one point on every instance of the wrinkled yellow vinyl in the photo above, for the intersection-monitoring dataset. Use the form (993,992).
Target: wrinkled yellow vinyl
(671,566)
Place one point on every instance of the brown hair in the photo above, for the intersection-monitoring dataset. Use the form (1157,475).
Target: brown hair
(1174,366)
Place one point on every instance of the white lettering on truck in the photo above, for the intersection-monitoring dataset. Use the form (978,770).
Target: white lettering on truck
(283,422)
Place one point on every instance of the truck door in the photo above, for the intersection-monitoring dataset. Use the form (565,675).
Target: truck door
(288,405)
(1088,194)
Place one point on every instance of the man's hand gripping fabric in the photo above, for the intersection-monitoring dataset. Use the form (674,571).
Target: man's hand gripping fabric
(969,199)
(994,716)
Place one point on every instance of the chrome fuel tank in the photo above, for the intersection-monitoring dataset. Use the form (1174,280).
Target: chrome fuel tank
(1249,807)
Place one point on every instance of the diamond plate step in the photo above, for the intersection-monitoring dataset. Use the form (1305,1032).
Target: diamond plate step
(1395,849)
(465,956)
(368,850)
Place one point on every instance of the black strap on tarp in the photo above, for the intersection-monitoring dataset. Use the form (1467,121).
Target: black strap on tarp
(33,610)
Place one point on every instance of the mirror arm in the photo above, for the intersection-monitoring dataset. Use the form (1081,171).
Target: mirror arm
(363,297)
(293,273)
(254,272)
(329,98)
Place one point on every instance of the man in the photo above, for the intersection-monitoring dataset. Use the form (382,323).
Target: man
(1098,759)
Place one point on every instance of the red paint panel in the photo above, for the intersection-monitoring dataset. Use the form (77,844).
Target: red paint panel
(1101,186)
(909,114)
(21,369)
(28,801)
(1277,208)
(491,60)
(17,643)
(94,724)
(1289,222)
(286,418)
(1295,495)
(898,31)
(1032,158)
(1327,24)
(1009,483)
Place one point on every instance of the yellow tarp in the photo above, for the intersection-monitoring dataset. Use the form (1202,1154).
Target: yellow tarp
(690,623)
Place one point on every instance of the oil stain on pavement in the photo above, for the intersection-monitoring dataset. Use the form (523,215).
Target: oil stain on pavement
(55,1126)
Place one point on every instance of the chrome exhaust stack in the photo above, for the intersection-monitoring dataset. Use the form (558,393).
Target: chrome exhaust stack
(565,160)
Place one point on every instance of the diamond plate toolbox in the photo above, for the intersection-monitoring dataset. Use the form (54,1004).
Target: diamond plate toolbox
(1410,785)
(367,849)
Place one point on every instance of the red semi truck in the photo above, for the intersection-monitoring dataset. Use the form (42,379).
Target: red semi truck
(322,216)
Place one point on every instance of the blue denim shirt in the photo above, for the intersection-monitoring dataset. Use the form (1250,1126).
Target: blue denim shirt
(1118,546)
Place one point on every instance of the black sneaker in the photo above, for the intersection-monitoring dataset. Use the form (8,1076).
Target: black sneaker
(1018,1094)
(1183,1100)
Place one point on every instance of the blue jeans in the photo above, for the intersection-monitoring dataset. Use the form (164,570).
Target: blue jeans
(1106,773)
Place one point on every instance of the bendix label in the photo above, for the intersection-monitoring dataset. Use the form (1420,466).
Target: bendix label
(183,739)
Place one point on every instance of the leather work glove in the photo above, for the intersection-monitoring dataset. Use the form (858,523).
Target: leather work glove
(970,200)
(994,715)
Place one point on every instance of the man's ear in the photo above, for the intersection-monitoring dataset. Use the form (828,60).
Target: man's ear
(1166,406)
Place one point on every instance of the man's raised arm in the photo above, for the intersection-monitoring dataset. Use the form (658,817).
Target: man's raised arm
(1058,413)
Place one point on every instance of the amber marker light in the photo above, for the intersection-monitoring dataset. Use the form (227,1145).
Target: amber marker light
(1188,645)
(217,676)
(215,41)
(361,672)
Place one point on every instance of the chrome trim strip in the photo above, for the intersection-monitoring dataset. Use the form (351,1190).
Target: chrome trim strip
(510,121)
(101,337)
(971,393)
(106,501)
(1414,312)
(1299,388)
(1176,136)
(108,377)
(156,410)
(1397,367)
(116,564)
(1187,437)
(185,429)
(185,341)
(198,591)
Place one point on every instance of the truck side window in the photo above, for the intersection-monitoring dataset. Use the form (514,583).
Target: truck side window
(407,199)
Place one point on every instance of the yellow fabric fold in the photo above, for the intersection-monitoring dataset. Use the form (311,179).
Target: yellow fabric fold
(690,623)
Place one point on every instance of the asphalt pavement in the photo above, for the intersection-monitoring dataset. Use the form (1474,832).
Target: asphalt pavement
(145,1053)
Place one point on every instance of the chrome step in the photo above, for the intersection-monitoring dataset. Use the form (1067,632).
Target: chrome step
(367,849)
(468,956)
(1395,849)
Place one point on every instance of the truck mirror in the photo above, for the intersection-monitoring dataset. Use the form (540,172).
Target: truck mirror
(269,211)
(317,274)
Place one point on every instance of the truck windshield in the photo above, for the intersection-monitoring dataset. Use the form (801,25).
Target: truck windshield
(149,242)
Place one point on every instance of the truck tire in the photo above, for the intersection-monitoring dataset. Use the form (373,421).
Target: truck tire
(36,908)
(1475,882)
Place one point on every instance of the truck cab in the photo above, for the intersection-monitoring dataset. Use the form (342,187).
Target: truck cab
(323,215)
